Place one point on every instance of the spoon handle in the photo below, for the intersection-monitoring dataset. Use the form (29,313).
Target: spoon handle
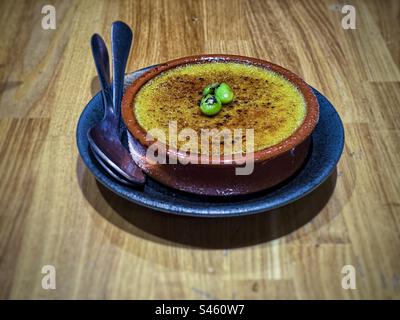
(102,62)
(121,39)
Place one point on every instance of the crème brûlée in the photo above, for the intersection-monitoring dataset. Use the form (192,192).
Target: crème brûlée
(263,100)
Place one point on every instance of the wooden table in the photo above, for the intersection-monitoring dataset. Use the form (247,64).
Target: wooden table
(52,211)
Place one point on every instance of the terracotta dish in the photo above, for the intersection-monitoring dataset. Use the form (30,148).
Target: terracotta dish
(272,164)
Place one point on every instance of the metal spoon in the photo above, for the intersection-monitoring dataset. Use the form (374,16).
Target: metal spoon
(108,169)
(104,138)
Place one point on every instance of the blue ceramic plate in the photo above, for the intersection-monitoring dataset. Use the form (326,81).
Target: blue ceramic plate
(327,146)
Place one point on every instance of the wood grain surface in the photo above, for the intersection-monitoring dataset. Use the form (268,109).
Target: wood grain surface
(52,211)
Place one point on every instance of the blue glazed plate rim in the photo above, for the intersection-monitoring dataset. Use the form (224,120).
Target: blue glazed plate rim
(180,203)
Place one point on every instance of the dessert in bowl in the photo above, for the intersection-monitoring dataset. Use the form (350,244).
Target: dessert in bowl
(278,106)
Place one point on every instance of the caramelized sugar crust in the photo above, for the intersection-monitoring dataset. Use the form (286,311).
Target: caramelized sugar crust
(264,101)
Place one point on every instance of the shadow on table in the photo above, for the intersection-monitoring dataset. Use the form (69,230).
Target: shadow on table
(216,233)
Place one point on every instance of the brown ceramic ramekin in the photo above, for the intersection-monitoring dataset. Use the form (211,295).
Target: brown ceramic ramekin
(271,165)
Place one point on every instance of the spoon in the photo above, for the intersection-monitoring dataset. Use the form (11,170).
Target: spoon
(104,138)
